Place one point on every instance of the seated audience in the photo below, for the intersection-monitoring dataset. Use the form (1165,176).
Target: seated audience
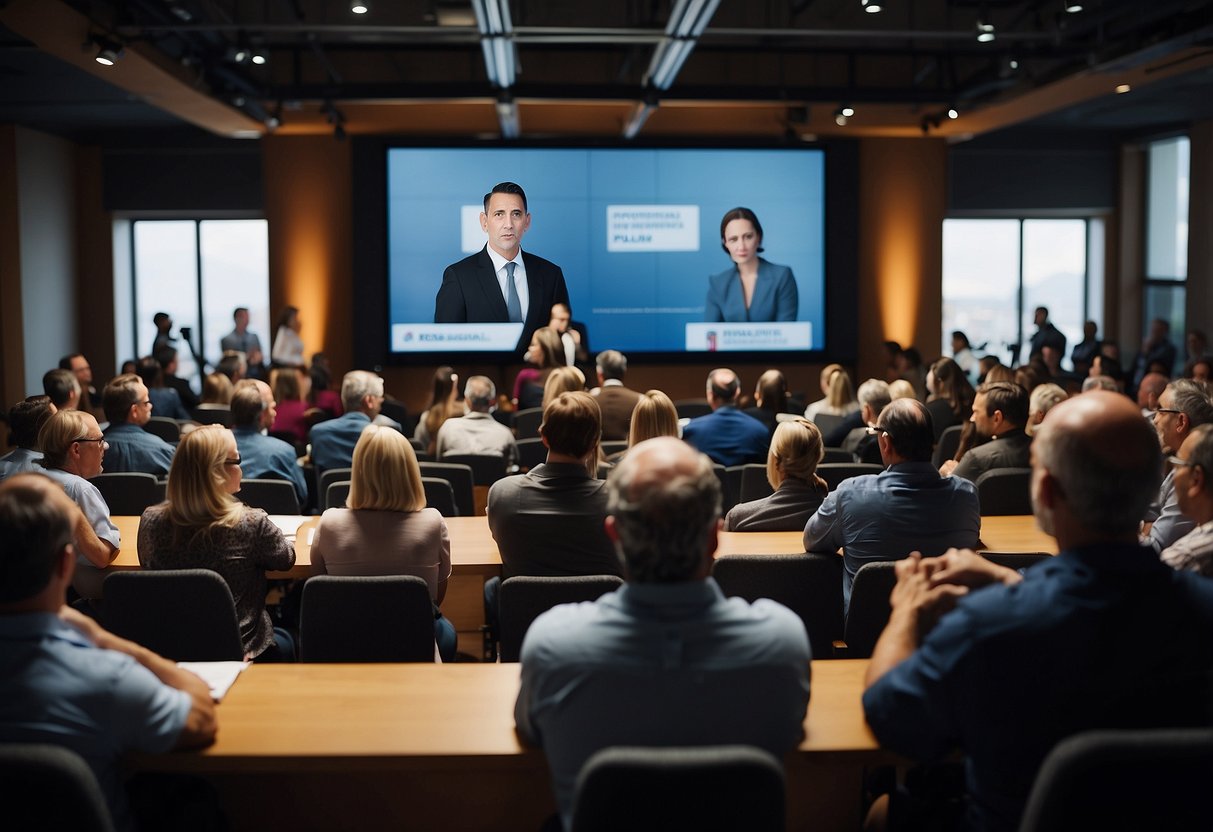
(387,529)
(899,388)
(202,526)
(233,365)
(909,367)
(617,402)
(217,389)
(1100,383)
(665,659)
(90,399)
(261,456)
(62,388)
(1084,352)
(874,396)
(796,450)
(131,448)
(333,441)
(1149,390)
(25,419)
(166,357)
(906,508)
(1106,365)
(1202,370)
(318,393)
(545,353)
(476,432)
(1000,414)
(950,399)
(1025,660)
(1043,399)
(836,387)
(166,402)
(562,380)
(726,434)
(1157,353)
(1193,465)
(654,415)
(770,399)
(63,679)
(73,448)
(444,404)
(290,418)
(1183,405)
(1196,348)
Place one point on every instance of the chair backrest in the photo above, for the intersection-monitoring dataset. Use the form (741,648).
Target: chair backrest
(213,416)
(692,408)
(440,495)
(835,472)
(182,614)
(337,494)
(731,487)
(524,598)
(946,447)
(838,455)
(719,787)
(1140,779)
(166,429)
(129,493)
(1005,491)
(826,422)
(46,786)
(418,446)
(869,610)
(460,478)
(531,452)
(1016,560)
(273,496)
(527,422)
(486,468)
(386,618)
(331,476)
(810,585)
(611,447)
(754,484)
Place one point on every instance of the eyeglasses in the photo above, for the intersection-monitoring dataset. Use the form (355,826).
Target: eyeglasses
(235,461)
(873,431)
(1158,410)
(1182,463)
(100,440)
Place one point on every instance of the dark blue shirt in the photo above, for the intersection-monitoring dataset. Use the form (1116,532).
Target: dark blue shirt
(132,449)
(264,457)
(729,437)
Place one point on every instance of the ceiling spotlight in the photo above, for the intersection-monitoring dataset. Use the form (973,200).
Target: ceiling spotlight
(953,112)
(108,51)
(1013,64)
(241,55)
(847,110)
(259,57)
(871,6)
(1121,89)
(985,31)
(359,6)
(841,115)
(1073,6)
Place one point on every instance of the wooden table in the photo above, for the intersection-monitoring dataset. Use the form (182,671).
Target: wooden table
(433,746)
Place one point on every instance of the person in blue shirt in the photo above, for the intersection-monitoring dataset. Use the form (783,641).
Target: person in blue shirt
(333,441)
(727,435)
(131,448)
(262,456)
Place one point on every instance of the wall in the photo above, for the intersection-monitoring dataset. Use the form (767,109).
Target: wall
(1200,221)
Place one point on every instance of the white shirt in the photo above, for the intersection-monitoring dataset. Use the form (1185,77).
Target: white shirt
(524,292)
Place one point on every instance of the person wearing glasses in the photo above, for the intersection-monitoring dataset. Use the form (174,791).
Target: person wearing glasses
(202,526)
(132,449)
(1183,406)
(73,448)
(1192,466)
(796,449)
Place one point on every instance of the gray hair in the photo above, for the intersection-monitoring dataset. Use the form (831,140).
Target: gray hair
(1192,397)
(874,393)
(1099,383)
(357,385)
(612,364)
(479,392)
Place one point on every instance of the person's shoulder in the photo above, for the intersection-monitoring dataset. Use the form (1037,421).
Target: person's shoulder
(779,630)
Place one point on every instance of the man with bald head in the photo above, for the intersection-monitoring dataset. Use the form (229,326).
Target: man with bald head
(727,435)
(1027,659)
(666,659)
(906,507)
(263,456)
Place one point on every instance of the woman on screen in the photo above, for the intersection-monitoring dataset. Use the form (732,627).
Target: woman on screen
(754,289)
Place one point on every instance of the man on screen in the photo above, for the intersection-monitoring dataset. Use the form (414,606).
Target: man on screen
(501,284)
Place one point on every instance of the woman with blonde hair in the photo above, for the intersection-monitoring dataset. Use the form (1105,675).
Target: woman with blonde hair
(443,405)
(386,528)
(654,415)
(562,380)
(202,526)
(796,450)
(839,394)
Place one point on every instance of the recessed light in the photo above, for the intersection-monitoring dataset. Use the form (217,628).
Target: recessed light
(1121,89)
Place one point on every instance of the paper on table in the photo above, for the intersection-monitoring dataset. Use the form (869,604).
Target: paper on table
(288,523)
(219,676)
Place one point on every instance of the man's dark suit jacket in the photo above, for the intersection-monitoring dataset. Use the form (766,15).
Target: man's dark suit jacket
(470,293)
(617,404)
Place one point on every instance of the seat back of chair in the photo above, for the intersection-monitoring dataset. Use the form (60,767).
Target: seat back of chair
(129,493)
(386,618)
(611,447)
(531,452)
(272,496)
(946,447)
(486,468)
(827,422)
(809,584)
(460,478)
(754,483)
(440,495)
(835,472)
(1005,491)
(524,598)
(869,610)
(1016,560)
(182,614)
(166,429)
(331,476)
(527,422)
(704,788)
(837,455)
(692,408)
(337,494)
(45,786)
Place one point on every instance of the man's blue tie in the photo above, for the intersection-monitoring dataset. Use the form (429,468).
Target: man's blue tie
(512,304)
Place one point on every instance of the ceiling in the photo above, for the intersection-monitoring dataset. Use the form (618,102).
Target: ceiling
(779,68)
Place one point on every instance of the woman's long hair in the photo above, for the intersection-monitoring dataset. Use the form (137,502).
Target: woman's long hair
(198,500)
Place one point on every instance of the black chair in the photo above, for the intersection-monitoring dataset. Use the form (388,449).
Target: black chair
(724,787)
(692,408)
(531,452)
(273,496)
(329,477)
(1005,491)
(337,494)
(1140,779)
(838,455)
(46,786)
(826,422)
(754,483)
(835,472)
(527,422)
(524,598)
(946,447)
(182,614)
(440,495)
(613,446)
(869,610)
(810,585)
(166,429)
(460,478)
(486,468)
(366,619)
(418,446)
(129,493)
(1016,560)
(731,487)
(213,416)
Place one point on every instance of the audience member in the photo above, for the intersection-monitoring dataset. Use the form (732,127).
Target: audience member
(1046,334)
(90,399)
(1183,405)
(654,415)
(288,346)
(444,404)
(242,341)
(874,397)
(291,417)
(770,399)
(617,402)
(25,420)
(1061,648)
(985,364)
(950,399)
(1106,365)
(892,351)
(233,365)
(1157,353)
(387,529)
(839,399)
(1100,383)
(62,388)
(477,432)
(1149,390)
(1043,399)
(901,389)
(1202,370)
(216,392)
(319,395)
(545,353)
(165,400)
(1086,350)
(333,441)
(875,394)
(1000,414)
(962,354)
(261,456)
(796,450)
(63,679)
(1193,465)
(1030,376)
(167,359)
(1196,348)
(666,659)
(131,448)
(562,380)
(202,526)
(909,368)
(726,434)
(907,507)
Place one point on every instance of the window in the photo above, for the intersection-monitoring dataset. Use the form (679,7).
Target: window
(997,271)
(197,271)
(1166,270)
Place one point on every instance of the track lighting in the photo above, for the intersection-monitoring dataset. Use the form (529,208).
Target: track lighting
(871,6)
(260,57)
(108,51)
(985,31)
(359,6)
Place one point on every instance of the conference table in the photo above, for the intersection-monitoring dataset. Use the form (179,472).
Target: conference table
(414,746)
